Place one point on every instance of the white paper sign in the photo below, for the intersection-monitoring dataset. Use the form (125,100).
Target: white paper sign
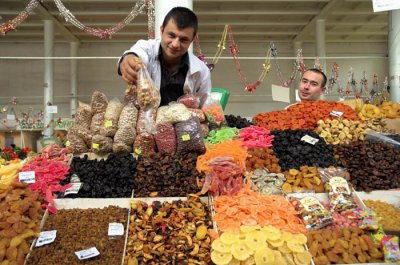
(74,189)
(280,93)
(87,253)
(309,139)
(27,177)
(336,113)
(115,229)
(385,5)
(11,117)
(51,109)
(46,237)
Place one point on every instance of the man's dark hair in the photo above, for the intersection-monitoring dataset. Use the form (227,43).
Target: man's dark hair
(183,17)
(315,70)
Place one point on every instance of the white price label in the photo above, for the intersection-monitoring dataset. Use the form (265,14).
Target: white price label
(309,139)
(74,189)
(11,117)
(115,229)
(52,109)
(87,253)
(336,113)
(46,237)
(27,177)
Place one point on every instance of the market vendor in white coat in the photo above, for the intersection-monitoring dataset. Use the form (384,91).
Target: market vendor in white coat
(174,70)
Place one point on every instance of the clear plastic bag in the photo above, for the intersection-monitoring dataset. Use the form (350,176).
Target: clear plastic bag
(188,136)
(144,144)
(146,121)
(83,133)
(165,138)
(131,96)
(128,116)
(111,117)
(174,112)
(99,102)
(380,137)
(125,135)
(75,144)
(97,123)
(101,144)
(190,101)
(204,130)
(198,113)
(148,95)
(83,116)
(122,148)
(213,111)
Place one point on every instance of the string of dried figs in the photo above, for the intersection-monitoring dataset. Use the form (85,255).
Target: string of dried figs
(169,232)
(20,214)
(80,229)
(262,158)
(304,180)
(372,165)
(166,175)
(343,246)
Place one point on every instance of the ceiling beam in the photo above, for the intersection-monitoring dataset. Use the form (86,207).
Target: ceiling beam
(326,10)
(42,11)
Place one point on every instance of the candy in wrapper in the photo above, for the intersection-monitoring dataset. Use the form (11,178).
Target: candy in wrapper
(370,220)
(340,195)
(314,214)
(390,245)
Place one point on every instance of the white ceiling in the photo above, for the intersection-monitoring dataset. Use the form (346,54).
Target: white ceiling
(251,20)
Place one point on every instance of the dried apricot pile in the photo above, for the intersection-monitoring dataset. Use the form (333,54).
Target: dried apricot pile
(306,179)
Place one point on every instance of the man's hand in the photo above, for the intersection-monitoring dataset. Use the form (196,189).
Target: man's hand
(129,68)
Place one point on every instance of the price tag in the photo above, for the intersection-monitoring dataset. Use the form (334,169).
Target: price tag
(67,143)
(336,113)
(185,137)
(11,117)
(52,109)
(74,189)
(108,124)
(27,177)
(115,229)
(87,253)
(46,237)
(138,151)
(95,146)
(309,139)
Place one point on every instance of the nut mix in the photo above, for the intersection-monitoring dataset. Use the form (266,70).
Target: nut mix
(79,229)
(165,138)
(111,117)
(169,232)
(174,112)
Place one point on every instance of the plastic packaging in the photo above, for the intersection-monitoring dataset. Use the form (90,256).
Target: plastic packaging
(204,130)
(125,135)
(99,102)
(97,122)
(213,111)
(198,113)
(390,246)
(131,96)
(173,113)
(188,136)
(101,144)
(314,214)
(146,121)
(380,137)
(83,116)
(144,144)
(76,144)
(147,94)
(165,138)
(122,148)
(128,116)
(111,117)
(190,101)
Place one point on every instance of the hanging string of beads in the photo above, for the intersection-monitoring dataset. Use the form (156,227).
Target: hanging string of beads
(235,51)
(12,24)
(139,8)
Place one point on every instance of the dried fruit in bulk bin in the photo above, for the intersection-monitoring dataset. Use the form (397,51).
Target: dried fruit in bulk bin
(237,121)
(296,148)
